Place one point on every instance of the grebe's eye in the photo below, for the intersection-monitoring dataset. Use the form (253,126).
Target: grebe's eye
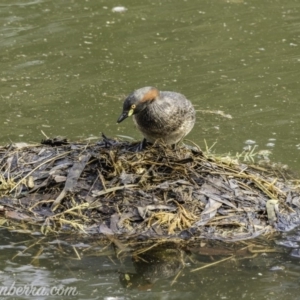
(133,106)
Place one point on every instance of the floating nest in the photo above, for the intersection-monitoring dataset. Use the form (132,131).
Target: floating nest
(111,188)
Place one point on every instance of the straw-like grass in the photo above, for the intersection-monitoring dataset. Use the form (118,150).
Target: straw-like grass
(160,192)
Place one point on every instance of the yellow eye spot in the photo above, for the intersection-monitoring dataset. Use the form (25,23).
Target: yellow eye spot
(131,111)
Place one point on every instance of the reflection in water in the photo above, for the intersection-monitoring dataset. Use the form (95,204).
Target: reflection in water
(156,264)
(98,269)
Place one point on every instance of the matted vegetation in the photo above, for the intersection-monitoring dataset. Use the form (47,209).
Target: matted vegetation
(160,192)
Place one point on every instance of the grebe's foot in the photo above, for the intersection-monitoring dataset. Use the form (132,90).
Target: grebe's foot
(143,144)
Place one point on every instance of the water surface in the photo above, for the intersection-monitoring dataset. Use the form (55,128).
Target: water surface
(66,67)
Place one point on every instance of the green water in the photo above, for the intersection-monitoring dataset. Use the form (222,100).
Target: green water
(94,271)
(66,67)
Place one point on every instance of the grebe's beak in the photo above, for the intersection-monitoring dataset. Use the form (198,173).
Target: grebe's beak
(126,114)
(123,116)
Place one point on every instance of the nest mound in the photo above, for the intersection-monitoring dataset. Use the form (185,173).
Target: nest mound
(160,192)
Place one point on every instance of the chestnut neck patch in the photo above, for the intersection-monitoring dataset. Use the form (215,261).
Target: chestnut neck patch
(151,95)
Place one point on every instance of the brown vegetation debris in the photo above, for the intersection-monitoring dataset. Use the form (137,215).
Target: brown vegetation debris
(114,189)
